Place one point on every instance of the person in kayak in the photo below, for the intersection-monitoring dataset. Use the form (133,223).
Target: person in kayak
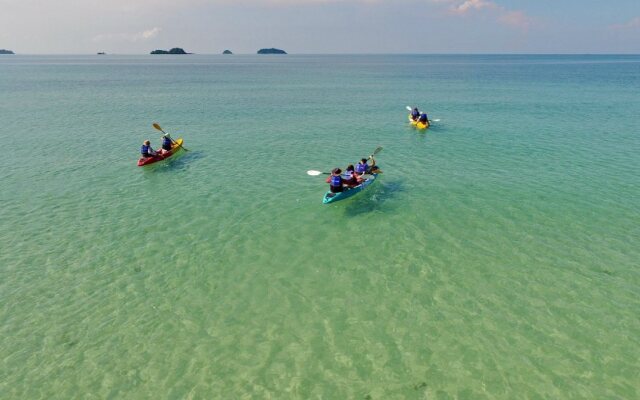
(362,167)
(167,142)
(350,177)
(335,181)
(424,118)
(146,151)
(415,114)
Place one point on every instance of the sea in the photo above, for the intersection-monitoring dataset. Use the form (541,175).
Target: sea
(496,257)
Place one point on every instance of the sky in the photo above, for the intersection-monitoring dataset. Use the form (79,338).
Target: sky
(321,26)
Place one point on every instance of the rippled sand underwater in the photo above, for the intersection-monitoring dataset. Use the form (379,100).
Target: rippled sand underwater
(495,258)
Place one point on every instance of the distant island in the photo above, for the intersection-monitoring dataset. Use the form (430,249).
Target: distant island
(271,51)
(3,51)
(101,53)
(175,50)
(227,52)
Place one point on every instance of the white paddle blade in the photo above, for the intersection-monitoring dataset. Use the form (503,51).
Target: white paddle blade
(409,108)
(436,120)
(314,173)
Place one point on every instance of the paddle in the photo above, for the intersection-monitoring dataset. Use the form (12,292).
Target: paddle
(431,120)
(316,173)
(157,126)
(376,151)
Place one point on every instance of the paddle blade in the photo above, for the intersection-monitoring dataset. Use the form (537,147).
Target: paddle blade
(409,108)
(377,150)
(157,126)
(314,173)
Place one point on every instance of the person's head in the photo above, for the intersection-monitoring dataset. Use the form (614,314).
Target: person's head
(350,168)
(363,161)
(146,142)
(336,171)
(415,109)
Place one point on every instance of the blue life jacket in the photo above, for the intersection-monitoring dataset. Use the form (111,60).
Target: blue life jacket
(347,175)
(361,168)
(423,117)
(145,150)
(166,143)
(336,181)
(415,113)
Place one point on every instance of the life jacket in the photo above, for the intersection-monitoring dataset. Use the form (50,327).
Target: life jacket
(145,150)
(166,143)
(423,117)
(361,168)
(415,113)
(336,181)
(347,175)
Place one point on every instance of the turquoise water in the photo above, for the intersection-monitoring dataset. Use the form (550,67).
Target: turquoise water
(495,258)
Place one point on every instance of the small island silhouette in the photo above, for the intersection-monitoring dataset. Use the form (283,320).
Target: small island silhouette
(227,52)
(175,50)
(271,51)
(3,51)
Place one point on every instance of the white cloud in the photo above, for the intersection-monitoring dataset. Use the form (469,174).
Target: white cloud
(150,33)
(632,24)
(470,5)
(128,37)
(513,18)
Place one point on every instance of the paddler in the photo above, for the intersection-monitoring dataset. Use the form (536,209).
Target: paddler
(362,167)
(415,114)
(167,142)
(146,151)
(335,181)
(350,177)
(424,119)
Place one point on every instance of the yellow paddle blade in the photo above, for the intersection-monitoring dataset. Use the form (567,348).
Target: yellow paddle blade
(157,126)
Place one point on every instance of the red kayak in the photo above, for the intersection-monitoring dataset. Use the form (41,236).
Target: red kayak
(175,148)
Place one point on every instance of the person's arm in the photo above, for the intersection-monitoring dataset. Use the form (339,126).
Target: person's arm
(373,162)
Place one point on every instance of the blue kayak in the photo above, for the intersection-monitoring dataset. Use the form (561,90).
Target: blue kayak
(333,197)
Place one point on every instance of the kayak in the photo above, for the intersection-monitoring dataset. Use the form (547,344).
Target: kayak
(418,124)
(330,197)
(175,148)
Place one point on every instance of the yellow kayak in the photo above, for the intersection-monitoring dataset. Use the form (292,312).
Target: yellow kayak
(418,124)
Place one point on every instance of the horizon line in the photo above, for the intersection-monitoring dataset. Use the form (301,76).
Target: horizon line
(331,54)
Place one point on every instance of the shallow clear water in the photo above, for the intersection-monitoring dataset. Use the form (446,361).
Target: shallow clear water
(496,257)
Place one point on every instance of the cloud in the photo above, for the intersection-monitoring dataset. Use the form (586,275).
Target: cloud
(634,23)
(514,18)
(150,33)
(473,5)
(128,37)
